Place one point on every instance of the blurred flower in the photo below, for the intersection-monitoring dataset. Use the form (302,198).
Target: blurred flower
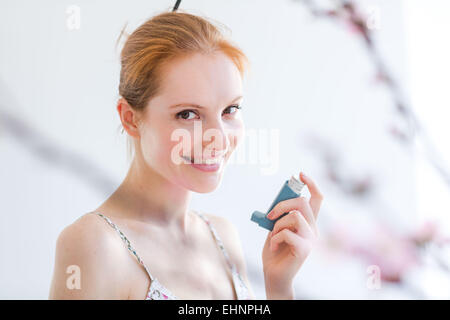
(425,233)
(393,254)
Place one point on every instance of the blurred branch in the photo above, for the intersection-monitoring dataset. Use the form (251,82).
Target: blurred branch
(392,251)
(348,13)
(53,154)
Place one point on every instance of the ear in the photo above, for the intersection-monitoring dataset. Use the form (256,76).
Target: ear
(128,117)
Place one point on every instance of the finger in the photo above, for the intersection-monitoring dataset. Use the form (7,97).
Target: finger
(305,208)
(295,222)
(300,203)
(296,243)
(316,195)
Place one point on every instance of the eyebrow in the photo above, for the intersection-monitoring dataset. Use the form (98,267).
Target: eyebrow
(196,105)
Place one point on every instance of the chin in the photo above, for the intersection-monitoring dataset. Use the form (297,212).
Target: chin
(204,182)
(204,189)
(205,185)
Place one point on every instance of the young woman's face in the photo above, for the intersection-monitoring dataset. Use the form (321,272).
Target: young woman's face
(194,113)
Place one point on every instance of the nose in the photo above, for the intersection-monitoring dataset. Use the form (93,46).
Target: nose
(216,141)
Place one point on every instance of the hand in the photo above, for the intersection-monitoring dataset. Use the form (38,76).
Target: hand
(291,240)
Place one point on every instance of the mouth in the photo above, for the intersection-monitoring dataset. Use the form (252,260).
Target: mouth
(213,161)
(209,165)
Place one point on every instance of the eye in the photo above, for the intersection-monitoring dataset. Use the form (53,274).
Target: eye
(184,114)
(237,107)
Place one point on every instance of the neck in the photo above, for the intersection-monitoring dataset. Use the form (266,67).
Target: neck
(147,196)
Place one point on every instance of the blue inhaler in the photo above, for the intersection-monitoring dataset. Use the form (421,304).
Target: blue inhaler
(291,189)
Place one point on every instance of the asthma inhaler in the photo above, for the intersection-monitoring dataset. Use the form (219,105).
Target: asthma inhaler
(291,189)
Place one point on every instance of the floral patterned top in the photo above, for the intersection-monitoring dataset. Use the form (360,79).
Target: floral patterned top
(158,292)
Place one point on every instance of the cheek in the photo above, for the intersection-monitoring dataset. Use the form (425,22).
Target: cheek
(237,133)
(156,144)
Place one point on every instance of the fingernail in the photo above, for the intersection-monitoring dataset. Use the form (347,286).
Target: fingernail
(269,216)
(304,175)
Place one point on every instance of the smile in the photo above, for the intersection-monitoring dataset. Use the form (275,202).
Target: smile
(207,161)
(209,165)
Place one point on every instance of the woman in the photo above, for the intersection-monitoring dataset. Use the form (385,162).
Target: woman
(180,77)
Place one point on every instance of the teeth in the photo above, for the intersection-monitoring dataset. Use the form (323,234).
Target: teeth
(187,159)
(212,161)
(207,161)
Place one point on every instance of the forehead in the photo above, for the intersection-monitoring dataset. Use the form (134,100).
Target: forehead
(206,79)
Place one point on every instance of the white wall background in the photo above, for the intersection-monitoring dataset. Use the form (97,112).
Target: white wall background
(428,49)
(307,77)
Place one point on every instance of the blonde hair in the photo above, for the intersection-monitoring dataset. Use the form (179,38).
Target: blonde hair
(158,41)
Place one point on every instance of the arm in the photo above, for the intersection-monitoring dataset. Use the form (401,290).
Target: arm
(87,263)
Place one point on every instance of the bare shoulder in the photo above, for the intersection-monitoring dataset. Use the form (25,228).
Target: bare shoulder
(229,234)
(220,222)
(88,261)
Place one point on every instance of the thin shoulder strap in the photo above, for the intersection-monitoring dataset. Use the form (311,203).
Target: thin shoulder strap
(240,287)
(218,240)
(127,242)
